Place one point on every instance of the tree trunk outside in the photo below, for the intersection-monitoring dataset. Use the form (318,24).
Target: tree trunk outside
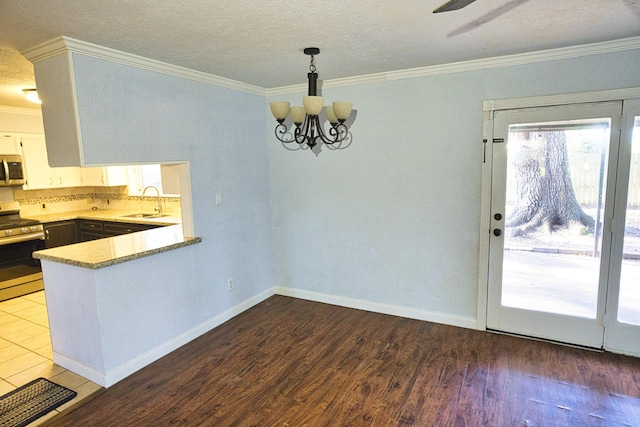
(545,195)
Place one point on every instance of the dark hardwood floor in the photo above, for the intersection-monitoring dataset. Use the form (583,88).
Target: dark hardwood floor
(290,362)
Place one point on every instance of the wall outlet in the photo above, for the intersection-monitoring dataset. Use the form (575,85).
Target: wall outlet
(230,285)
(218,198)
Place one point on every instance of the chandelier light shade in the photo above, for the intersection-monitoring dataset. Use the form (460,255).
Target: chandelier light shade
(309,132)
(280,109)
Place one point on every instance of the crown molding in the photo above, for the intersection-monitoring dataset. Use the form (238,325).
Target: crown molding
(521,58)
(45,50)
(474,65)
(64,44)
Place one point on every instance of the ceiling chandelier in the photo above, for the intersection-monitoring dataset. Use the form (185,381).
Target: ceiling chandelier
(309,132)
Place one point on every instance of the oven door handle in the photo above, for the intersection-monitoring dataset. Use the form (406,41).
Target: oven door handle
(7,240)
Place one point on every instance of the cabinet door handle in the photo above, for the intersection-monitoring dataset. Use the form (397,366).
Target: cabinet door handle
(46,234)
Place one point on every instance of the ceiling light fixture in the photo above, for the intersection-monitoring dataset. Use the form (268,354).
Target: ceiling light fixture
(309,132)
(32,95)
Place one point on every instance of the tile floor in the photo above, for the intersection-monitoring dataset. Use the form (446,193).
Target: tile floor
(25,352)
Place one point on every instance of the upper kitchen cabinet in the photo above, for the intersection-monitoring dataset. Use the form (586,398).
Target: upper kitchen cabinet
(104,177)
(9,144)
(38,173)
(170,175)
(15,120)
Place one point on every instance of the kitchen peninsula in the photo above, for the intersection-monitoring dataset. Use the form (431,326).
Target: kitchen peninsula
(105,252)
(98,328)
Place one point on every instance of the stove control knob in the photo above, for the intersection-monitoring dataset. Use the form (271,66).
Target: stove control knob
(8,232)
(24,230)
(33,229)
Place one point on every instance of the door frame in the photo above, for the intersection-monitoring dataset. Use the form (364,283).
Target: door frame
(489,107)
(620,337)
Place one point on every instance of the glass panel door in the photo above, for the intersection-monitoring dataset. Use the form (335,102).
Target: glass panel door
(623,307)
(552,170)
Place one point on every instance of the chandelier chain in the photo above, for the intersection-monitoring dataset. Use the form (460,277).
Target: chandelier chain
(312,64)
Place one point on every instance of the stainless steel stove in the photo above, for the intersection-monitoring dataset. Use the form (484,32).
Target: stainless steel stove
(20,273)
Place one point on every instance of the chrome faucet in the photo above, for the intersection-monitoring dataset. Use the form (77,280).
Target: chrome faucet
(159,208)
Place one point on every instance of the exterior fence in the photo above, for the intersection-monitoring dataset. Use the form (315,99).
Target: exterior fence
(585,175)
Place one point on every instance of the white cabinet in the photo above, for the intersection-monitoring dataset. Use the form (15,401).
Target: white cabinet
(170,178)
(9,144)
(66,177)
(104,176)
(37,171)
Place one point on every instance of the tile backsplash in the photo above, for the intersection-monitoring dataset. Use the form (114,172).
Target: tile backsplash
(36,202)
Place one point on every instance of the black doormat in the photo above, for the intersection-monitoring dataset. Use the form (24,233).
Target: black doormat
(31,401)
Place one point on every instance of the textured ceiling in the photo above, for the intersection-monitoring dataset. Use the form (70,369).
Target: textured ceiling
(260,42)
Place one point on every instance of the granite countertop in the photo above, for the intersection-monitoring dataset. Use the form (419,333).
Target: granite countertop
(110,251)
(103,215)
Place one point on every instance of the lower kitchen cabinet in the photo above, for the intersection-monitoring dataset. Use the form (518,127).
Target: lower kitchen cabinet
(92,229)
(118,228)
(60,234)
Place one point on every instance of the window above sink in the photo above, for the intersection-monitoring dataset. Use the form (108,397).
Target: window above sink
(155,175)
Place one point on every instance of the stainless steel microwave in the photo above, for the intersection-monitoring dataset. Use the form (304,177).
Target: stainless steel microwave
(11,173)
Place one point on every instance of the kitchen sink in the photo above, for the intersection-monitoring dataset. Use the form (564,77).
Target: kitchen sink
(144,215)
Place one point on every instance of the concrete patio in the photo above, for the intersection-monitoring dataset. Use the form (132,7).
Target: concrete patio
(565,284)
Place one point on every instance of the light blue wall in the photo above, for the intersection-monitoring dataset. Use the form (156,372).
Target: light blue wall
(132,115)
(394,219)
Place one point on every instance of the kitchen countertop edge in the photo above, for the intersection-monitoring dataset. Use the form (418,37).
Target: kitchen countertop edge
(101,253)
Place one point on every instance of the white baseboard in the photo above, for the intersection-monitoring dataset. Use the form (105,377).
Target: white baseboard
(379,307)
(79,368)
(107,379)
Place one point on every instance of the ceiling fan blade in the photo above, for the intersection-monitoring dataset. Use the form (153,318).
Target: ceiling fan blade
(453,5)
